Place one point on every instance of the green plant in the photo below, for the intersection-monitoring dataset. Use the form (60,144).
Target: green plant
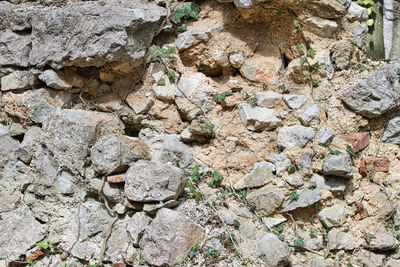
(236,223)
(161,82)
(63,263)
(212,252)
(220,97)
(164,52)
(291,168)
(371,9)
(171,73)
(350,151)
(368,238)
(193,193)
(334,152)
(293,196)
(181,28)
(196,174)
(313,232)
(193,251)
(187,11)
(207,127)
(253,101)
(278,228)
(216,179)
(326,253)
(282,87)
(299,242)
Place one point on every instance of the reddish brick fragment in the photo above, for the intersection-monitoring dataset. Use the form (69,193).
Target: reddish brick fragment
(117,265)
(64,256)
(380,165)
(35,255)
(359,141)
(116,179)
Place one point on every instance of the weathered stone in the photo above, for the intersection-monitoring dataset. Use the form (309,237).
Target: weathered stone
(69,133)
(295,180)
(369,259)
(339,240)
(281,162)
(295,101)
(338,165)
(92,34)
(14,49)
(264,66)
(188,109)
(273,221)
(329,9)
(16,175)
(112,192)
(140,101)
(359,141)
(382,240)
(27,147)
(330,183)
(106,152)
(137,225)
(168,238)
(295,71)
(152,208)
(62,80)
(266,199)
(325,135)
(356,12)
(34,105)
(18,80)
(321,27)
(268,99)
(305,162)
(19,232)
(153,181)
(396,216)
(237,59)
(325,66)
(240,209)
(392,131)
(273,251)
(305,198)
(119,245)
(257,118)
(114,179)
(292,136)
(334,216)
(342,53)
(310,116)
(7,144)
(260,175)
(359,33)
(380,165)
(375,95)
(196,35)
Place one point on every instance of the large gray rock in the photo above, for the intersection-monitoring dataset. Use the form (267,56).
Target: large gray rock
(338,165)
(18,80)
(168,238)
(334,216)
(94,33)
(105,152)
(340,240)
(310,116)
(266,199)
(27,147)
(392,132)
(295,136)
(325,135)
(137,225)
(357,12)
(328,9)
(7,144)
(305,198)
(68,134)
(382,240)
(295,101)
(258,119)
(62,80)
(148,181)
(305,162)
(273,251)
(119,245)
(14,49)
(268,99)
(193,37)
(321,27)
(329,183)
(19,231)
(280,160)
(377,94)
(260,175)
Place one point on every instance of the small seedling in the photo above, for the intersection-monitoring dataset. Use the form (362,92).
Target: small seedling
(334,152)
(196,174)
(161,82)
(294,196)
(193,251)
(171,74)
(236,223)
(278,228)
(291,168)
(282,87)
(299,242)
(253,101)
(368,238)
(216,179)
(326,253)
(207,127)
(157,52)
(63,263)
(220,97)
(213,252)
(187,11)
(313,232)
(350,151)
(181,28)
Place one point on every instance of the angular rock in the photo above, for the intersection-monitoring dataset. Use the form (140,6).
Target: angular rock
(342,53)
(27,147)
(69,133)
(331,183)
(273,221)
(292,136)
(305,162)
(137,225)
(14,48)
(382,241)
(168,238)
(356,12)
(295,101)
(18,80)
(273,251)
(268,99)
(152,209)
(305,198)
(310,116)
(19,232)
(119,245)
(377,94)
(325,66)
(380,165)
(392,132)
(105,152)
(34,105)
(196,35)
(266,199)
(140,101)
(295,180)
(329,9)
(334,216)
(240,209)
(7,144)
(359,141)
(112,192)
(340,240)
(369,259)
(321,27)
(148,181)
(62,80)
(280,160)
(257,118)
(93,34)
(260,175)
(114,179)
(264,66)
(392,263)
(338,165)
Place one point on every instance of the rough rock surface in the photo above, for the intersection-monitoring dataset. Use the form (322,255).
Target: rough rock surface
(334,216)
(266,199)
(338,165)
(168,238)
(258,119)
(305,198)
(295,136)
(273,251)
(260,175)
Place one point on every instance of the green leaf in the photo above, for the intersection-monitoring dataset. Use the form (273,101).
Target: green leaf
(161,82)
(279,228)
(169,51)
(313,232)
(196,174)
(296,23)
(302,60)
(63,263)
(315,66)
(236,223)
(156,52)
(207,127)
(294,196)
(279,13)
(193,251)
(291,168)
(308,39)
(253,101)
(368,237)
(171,73)
(220,97)
(311,53)
(315,83)
(43,244)
(30,261)
(334,152)
(243,193)
(216,179)
(370,22)
(187,11)
(308,76)
(181,28)
(300,47)
(299,242)
(326,253)
(282,87)
(349,150)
